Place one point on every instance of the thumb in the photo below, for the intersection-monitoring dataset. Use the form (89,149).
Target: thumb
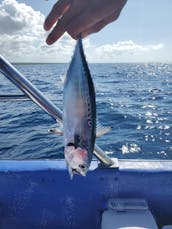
(101,24)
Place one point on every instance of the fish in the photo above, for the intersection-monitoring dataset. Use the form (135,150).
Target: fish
(79,114)
(100,130)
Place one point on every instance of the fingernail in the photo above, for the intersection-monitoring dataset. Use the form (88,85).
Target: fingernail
(47,25)
(49,41)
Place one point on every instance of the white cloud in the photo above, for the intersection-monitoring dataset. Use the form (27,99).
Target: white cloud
(122,47)
(22,39)
(127,51)
(158,46)
(18,18)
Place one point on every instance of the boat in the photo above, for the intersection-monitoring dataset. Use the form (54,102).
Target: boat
(115,193)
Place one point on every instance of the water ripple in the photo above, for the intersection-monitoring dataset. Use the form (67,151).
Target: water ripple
(135,99)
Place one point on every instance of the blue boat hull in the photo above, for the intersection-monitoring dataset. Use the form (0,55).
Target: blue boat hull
(40,194)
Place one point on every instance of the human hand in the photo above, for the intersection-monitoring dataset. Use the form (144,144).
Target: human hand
(81,17)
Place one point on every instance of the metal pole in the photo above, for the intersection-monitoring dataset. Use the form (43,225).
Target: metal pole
(14,98)
(37,97)
(101,155)
(29,89)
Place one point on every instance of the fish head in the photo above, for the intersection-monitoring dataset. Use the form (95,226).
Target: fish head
(77,160)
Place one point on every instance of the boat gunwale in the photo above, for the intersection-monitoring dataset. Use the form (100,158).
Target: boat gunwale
(60,164)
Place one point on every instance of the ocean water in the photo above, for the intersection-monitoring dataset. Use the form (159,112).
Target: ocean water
(134,99)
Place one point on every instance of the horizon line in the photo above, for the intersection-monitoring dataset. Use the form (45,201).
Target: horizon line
(139,62)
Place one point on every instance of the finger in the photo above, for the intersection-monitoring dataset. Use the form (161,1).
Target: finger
(100,25)
(112,17)
(57,11)
(57,32)
(63,24)
(122,2)
(83,22)
(94,29)
(78,25)
(91,17)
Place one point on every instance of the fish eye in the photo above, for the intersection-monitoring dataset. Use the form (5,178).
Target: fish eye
(70,144)
(82,166)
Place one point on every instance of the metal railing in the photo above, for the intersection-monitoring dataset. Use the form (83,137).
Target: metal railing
(10,72)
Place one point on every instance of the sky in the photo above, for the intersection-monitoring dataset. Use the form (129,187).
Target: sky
(141,34)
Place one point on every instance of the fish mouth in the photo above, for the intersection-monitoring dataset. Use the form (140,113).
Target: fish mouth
(81,170)
(75,171)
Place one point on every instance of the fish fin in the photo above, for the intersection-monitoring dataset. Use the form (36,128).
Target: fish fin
(57,130)
(76,140)
(62,79)
(101,130)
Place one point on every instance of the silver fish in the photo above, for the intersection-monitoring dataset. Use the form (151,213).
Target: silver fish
(79,114)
